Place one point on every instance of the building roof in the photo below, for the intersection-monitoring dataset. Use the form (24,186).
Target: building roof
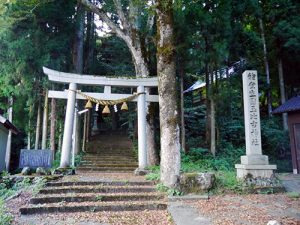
(8,125)
(291,105)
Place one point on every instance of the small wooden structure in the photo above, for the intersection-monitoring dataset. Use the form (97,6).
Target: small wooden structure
(5,127)
(292,108)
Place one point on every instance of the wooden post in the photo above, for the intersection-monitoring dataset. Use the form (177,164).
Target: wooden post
(45,122)
(8,145)
(38,126)
(84,131)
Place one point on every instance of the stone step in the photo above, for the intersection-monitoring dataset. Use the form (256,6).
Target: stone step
(107,169)
(109,156)
(97,183)
(98,165)
(102,162)
(107,162)
(97,189)
(110,149)
(42,199)
(109,152)
(64,207)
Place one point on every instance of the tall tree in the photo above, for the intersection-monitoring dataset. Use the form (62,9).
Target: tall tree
(168,110)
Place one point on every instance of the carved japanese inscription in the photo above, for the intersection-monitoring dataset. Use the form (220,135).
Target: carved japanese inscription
(251,112)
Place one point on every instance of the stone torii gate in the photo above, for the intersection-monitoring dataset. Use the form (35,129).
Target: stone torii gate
(75,79)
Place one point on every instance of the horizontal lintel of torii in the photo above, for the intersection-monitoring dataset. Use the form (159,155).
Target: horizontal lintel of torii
(102,96)
(62,77)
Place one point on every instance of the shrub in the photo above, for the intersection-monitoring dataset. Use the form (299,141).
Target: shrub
(5,218)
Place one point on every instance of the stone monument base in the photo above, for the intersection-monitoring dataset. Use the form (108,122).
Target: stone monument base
(264,171)
(254,159)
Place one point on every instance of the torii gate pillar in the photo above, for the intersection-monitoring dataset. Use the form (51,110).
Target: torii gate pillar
(68,129)
(142,141)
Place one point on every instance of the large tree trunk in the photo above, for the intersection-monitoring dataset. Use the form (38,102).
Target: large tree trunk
(29,134)
(212,116)
(282,93)
(208,108)
(152,155)
(53,125)
(267,70)
(45,122)
(168,111)
(182,133)
(78,48)
(38,127)
(60,137)
(90,42)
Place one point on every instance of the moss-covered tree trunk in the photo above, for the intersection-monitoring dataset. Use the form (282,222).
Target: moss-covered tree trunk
(168,111)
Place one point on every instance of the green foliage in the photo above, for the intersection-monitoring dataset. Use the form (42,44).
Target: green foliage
(99,197)
(38,184)
(201,160)
(226,182)
(5,218)
(293,195)
(174,192)
(162,188)
(56,161)
(153,176)
(275,141)
(78,158)
(170,191)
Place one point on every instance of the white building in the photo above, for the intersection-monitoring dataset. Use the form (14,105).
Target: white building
(5,127)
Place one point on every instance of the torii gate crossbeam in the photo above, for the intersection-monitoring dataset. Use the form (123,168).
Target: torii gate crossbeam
(74,79)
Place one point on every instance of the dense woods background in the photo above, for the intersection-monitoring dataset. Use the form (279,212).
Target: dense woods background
(215,41)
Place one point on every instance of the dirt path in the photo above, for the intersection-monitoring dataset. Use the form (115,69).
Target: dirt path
(250,209)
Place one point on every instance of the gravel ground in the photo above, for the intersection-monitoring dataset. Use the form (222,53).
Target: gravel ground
(112,218)
(225,209)
(250,209)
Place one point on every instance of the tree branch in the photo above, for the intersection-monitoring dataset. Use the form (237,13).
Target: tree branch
(121,13)
(105,18)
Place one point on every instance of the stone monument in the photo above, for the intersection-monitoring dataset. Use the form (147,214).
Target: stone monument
(254,162)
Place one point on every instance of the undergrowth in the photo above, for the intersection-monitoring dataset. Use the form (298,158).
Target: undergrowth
(5,218)
(8,189)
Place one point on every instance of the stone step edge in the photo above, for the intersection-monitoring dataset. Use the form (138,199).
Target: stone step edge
(95,198)
(92,208)
(108,165)
(94,183)
(96,190)
(104,171)
(108,169)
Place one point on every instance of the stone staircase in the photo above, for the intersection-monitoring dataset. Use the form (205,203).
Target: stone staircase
(109,153)
(95,197)
(104,182)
